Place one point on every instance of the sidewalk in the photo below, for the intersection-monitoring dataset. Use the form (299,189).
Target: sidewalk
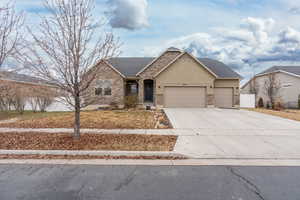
(215,144)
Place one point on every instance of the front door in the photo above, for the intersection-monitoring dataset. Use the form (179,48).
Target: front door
(148,90)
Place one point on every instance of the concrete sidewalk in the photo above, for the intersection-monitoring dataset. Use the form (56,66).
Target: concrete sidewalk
(217,144)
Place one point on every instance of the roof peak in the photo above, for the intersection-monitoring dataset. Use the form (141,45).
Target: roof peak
(173,49)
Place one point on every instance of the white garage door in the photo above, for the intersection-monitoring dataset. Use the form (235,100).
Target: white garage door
(185,97)
(223,97)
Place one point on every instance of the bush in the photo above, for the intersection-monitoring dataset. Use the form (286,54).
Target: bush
(44,102)
(268,105)
(260,103)
(131,101)
(278,106)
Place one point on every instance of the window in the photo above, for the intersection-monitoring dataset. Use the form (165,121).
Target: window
(98,91)
(133,89)
(107,91)
(103,86)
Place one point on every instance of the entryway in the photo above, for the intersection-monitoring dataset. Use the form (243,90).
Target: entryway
(148,90)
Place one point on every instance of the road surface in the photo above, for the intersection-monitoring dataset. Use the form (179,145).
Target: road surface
(70,182)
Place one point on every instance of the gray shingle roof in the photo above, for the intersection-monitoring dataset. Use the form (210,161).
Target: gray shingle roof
(219,68)
(290,69)
(130,66)
(5,75)
(173,49)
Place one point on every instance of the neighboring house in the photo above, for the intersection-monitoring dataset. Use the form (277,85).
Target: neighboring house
(174,79)
(26,83)
(21,79)
(288,81)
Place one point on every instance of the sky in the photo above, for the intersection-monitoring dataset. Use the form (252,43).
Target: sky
(247,35)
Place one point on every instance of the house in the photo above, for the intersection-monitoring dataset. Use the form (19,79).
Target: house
(173,79)
(287,80)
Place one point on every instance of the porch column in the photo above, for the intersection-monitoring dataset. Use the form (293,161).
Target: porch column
(141,91)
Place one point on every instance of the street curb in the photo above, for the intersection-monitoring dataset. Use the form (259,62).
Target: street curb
(187,162)
(92,153)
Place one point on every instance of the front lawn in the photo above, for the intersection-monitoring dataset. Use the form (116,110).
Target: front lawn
(121,119)
(7,115)
(63,141)
(288,113)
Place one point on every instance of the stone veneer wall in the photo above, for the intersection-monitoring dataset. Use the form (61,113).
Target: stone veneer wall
(210,100)
(152,70)
(104,72)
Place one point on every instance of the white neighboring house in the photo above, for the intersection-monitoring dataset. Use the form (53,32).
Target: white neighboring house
(288,78)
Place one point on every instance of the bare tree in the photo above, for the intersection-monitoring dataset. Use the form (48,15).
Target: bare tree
(272,88)
(10,32)
(68,45)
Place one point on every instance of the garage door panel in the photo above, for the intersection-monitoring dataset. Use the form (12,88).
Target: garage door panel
(223,97)
(185,97)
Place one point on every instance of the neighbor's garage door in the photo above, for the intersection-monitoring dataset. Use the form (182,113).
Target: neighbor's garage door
(183,97)
(223,97)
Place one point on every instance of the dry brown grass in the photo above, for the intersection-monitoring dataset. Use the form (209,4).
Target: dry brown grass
(133,119)
(63,141)
(289,114)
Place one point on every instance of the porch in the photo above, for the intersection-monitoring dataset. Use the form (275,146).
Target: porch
(143,89)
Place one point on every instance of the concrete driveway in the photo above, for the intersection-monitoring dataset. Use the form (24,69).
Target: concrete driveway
(228,133)
(197,118)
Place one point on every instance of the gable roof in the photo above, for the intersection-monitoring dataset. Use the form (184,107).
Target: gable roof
(12,76)
(173,49)
(130,66)
(290,69)
(196,59)
(219,68)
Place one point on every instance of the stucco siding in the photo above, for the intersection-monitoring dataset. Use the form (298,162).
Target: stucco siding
(183,72)
(290,89)
(288,94)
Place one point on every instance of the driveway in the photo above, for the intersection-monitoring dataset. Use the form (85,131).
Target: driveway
(228,133)
(233,119)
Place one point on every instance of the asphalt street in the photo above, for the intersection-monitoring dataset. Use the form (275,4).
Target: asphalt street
(70,182)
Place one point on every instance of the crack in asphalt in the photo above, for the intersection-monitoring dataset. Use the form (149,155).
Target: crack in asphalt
(249,184)
(127,180)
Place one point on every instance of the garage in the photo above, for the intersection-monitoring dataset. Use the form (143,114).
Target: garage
(185,97)
(223,97)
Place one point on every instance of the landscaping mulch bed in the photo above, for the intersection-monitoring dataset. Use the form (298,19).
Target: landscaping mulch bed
(108,119)
(69,157)
(63,141)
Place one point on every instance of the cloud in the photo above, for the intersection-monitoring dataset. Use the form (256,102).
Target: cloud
(252,45)
(128,14)
(295,10)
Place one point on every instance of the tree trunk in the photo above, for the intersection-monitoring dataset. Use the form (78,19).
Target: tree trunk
(77,118)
